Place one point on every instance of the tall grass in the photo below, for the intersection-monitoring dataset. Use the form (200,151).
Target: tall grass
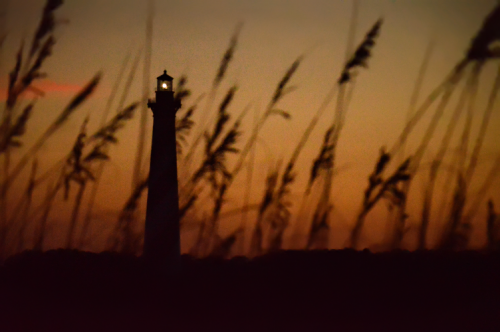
(146,84)
(435,166)
(76,168)
(221,73)
(379,188)
(323,165)
(478,53)
(222,150)
(101,164)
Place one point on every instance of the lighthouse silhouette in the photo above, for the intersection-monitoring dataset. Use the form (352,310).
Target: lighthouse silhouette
(162,238)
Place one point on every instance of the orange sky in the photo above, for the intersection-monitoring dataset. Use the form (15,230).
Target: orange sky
(190,37)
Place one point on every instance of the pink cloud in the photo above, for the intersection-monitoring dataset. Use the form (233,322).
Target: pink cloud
(45,88)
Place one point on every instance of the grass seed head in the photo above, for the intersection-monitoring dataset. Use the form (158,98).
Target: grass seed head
(47,24)
(362,53)
(480,48)
(228,55)
(281,89)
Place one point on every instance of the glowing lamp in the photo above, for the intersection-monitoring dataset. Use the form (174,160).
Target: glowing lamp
(164,82)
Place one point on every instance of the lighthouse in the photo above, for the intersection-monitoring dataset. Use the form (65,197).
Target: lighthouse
(162,238)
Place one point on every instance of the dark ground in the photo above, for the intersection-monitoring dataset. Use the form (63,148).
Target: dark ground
(342,290)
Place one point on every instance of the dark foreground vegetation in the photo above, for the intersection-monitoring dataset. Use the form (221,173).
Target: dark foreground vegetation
(344,290)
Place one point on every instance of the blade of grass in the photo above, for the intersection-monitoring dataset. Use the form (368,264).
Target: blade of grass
(145,92)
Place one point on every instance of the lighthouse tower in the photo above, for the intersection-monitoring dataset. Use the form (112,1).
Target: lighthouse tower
(162,238)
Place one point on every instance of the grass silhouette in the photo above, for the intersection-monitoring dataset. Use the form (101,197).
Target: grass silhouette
(208,174)
(276,289)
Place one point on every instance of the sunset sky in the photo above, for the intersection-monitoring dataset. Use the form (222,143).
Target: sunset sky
(190,37)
